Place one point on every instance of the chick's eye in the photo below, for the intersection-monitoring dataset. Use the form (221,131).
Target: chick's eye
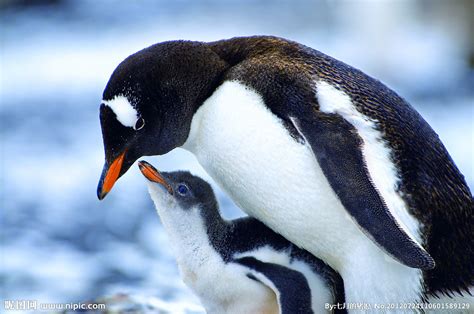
(182,189)
(139,124)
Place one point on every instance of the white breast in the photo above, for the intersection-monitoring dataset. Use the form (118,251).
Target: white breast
(272,177)
(227,289)
(250,154)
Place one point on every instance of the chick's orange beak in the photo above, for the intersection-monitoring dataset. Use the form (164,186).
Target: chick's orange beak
(153,175)
(109,176)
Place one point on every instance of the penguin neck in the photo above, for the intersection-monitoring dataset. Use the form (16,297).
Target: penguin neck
(217,230)
(237,49)
(194,235)
(234,50)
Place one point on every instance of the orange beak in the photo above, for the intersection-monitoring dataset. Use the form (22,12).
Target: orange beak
(110,176)
(153,175)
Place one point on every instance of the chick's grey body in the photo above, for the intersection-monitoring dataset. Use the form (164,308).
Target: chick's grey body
(237,266)
(317,150)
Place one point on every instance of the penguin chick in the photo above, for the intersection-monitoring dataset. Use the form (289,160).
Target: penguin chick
(237,266)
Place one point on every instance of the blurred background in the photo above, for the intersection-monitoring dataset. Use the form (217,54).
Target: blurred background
(58,242)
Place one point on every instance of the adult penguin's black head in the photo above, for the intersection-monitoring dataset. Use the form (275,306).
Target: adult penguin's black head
(149,102)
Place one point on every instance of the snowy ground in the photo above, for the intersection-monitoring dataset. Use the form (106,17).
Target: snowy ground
(58,242)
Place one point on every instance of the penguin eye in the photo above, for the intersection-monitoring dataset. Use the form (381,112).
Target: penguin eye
(183,189)
(139,124)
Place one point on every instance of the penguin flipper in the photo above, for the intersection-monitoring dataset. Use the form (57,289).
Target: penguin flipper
(330,137)
(290,286)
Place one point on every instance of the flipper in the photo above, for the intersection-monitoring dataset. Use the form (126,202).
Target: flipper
(290,286)
(330,138)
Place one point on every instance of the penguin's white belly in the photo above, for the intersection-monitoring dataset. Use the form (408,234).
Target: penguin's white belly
(248,151)
(229,290)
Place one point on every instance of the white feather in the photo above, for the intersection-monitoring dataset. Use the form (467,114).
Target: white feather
(126,114)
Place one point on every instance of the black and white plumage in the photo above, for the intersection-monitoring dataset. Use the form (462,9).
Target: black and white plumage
(237,266)
(318,151)
(292,290)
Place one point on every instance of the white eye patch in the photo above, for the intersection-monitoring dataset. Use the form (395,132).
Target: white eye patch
(126,114)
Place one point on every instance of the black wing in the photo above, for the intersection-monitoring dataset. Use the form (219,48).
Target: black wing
(338,150)
(290,286)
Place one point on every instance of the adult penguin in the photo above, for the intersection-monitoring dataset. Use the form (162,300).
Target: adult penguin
(320,152)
